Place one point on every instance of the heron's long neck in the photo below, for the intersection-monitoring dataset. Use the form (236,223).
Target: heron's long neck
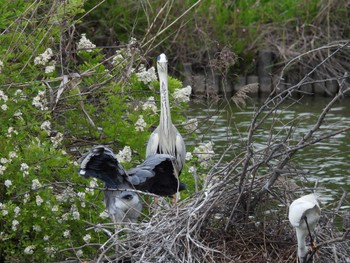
(165,117)
(302,249)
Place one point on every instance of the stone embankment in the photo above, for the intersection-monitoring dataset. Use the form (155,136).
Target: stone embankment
(209,83)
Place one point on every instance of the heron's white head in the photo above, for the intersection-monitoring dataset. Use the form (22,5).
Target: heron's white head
(162,58)
(162,64)
(123,206)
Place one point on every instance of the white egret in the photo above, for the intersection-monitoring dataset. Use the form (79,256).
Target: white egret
(304,214)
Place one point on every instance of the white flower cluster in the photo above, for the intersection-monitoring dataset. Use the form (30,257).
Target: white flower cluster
(1,65)
(140,124)
(189,156)
(64,217)
(79,253)
(132,41)
(57,139)
(192,170)
(4,212)
(93,184)
(104,215)
(26,198)
(124,55)
(46,126)
(3,97)
(2,169)
(150,104)
(35,184)
(190,125)
(29,250)
(50,68)
(183,95)
(18,95)
(43,58)
(37,228)
(38,200)
(18,114)
(54,208)
(146,76)
(17,211)
(25,169)
(204,153)
(51,251)
(12,155)
(3,162)
(124,156)
(87,238)
(85,44)
(118,59)
(75,212)
(81,196)
(11,131)
(15,223)
(66,234)
(68,194)
(8,183)
(40,101)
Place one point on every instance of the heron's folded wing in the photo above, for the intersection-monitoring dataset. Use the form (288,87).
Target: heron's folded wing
(153,143)
(181,151)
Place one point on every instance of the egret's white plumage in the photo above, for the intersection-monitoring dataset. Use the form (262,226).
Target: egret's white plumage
(308,207)
(166,139)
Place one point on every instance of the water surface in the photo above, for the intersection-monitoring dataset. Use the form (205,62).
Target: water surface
(328,161)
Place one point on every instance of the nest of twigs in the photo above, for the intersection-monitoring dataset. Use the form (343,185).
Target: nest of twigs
(214,225)
(240,215)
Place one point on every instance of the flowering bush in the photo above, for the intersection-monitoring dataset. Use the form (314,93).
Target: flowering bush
(50,115)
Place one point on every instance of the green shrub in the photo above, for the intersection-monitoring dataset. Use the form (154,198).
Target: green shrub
(59,96)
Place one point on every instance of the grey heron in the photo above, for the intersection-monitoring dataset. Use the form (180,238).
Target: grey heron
(304,214)
(156,175)
(122,204)
(166,139)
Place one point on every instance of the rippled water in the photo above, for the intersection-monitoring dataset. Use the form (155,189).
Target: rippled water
(328,161)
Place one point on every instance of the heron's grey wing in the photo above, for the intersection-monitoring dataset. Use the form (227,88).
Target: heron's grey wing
(156,175)
(153,143)
(139,175)
(102,164)
(181,151)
